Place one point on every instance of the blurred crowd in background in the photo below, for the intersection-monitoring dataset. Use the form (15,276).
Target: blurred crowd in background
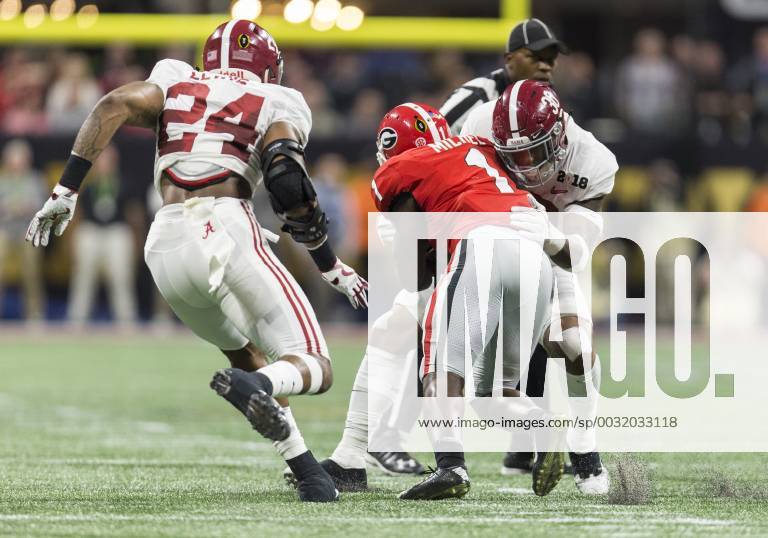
(687,119)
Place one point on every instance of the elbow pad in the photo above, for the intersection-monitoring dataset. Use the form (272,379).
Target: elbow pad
(290,188)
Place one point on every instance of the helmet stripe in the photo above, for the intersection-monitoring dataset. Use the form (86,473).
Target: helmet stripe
(225,39)
(427,120)
(512,106)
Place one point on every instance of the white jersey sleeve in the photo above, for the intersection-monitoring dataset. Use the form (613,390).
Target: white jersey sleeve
(480,120)
(292,108)
(167,72)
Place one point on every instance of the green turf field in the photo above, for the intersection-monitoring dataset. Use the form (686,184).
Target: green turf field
(121,436)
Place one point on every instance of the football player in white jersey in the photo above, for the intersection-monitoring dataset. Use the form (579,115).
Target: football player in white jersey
(220,132)
(569,171)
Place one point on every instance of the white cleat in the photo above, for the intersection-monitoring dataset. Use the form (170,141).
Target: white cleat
(594,484)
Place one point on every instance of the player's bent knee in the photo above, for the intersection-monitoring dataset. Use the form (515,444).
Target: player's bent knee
(327,381)
(572,342)
(430,385)
(316,371)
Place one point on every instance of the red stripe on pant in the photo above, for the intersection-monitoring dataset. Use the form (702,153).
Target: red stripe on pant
(275,272)
(310,322)
(427,338)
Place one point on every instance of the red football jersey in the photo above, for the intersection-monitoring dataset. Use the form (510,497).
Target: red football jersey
(458,174)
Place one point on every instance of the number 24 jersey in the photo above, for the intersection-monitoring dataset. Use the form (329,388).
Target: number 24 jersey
(217,118)
(458,174)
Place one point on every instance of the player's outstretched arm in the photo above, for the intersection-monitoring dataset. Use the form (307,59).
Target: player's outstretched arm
(294,201)
(138,104)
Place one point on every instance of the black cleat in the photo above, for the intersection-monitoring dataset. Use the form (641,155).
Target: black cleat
(394,463)
(245,391)
(515,463)
(452,483)
(317,488)
(547,471)
(590,475)
(344,479)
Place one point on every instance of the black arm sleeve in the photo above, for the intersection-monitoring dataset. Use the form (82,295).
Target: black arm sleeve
(289,188)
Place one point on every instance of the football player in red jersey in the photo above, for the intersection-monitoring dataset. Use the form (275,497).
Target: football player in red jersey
(465,174)
(207,253)
(423,169)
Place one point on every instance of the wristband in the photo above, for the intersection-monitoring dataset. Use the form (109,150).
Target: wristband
(323,256)
(74,172)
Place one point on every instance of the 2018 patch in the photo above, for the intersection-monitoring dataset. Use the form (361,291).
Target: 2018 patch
(420,125)
(243,41)
(387,138)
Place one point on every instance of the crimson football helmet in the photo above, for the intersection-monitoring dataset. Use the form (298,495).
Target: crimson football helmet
(529,131)
(407,126)
(243,44)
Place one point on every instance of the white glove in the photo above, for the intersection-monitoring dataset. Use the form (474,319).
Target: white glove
(344,279)
(56,214)
(531,223)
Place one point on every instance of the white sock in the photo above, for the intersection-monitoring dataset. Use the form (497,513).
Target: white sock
(350,452)
(286,378)
(583,440)
(293,445)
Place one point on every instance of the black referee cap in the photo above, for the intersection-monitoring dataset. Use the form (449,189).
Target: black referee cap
(534,35)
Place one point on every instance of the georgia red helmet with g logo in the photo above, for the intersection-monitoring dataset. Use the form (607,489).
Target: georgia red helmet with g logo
(529,131)
(243,44)
(408,126)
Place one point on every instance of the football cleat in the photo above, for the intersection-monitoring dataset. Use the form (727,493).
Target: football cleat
(590,475)
(317,488)
(451,483)
(394,463)
(547,471)
(344,479)
(245,392)
(516,463)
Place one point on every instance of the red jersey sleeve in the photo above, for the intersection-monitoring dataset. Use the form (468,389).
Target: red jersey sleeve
(388,182)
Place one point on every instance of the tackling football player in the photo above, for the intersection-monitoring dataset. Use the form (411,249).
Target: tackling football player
(531,53)
(572,172)
(220,132)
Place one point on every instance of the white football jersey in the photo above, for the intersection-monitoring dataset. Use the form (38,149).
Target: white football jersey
(213,121)
(588,170)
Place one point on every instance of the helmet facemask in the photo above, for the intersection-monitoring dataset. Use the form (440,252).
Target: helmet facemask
(535,163)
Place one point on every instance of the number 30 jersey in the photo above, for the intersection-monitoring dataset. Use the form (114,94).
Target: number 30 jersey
(213,121)
(458,174)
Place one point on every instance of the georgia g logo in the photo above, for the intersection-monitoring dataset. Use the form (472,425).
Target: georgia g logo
(387,138)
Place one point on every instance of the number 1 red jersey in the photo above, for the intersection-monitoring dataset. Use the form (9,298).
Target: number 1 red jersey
(458,174)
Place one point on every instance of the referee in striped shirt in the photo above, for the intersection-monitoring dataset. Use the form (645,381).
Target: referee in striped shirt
(531,52)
